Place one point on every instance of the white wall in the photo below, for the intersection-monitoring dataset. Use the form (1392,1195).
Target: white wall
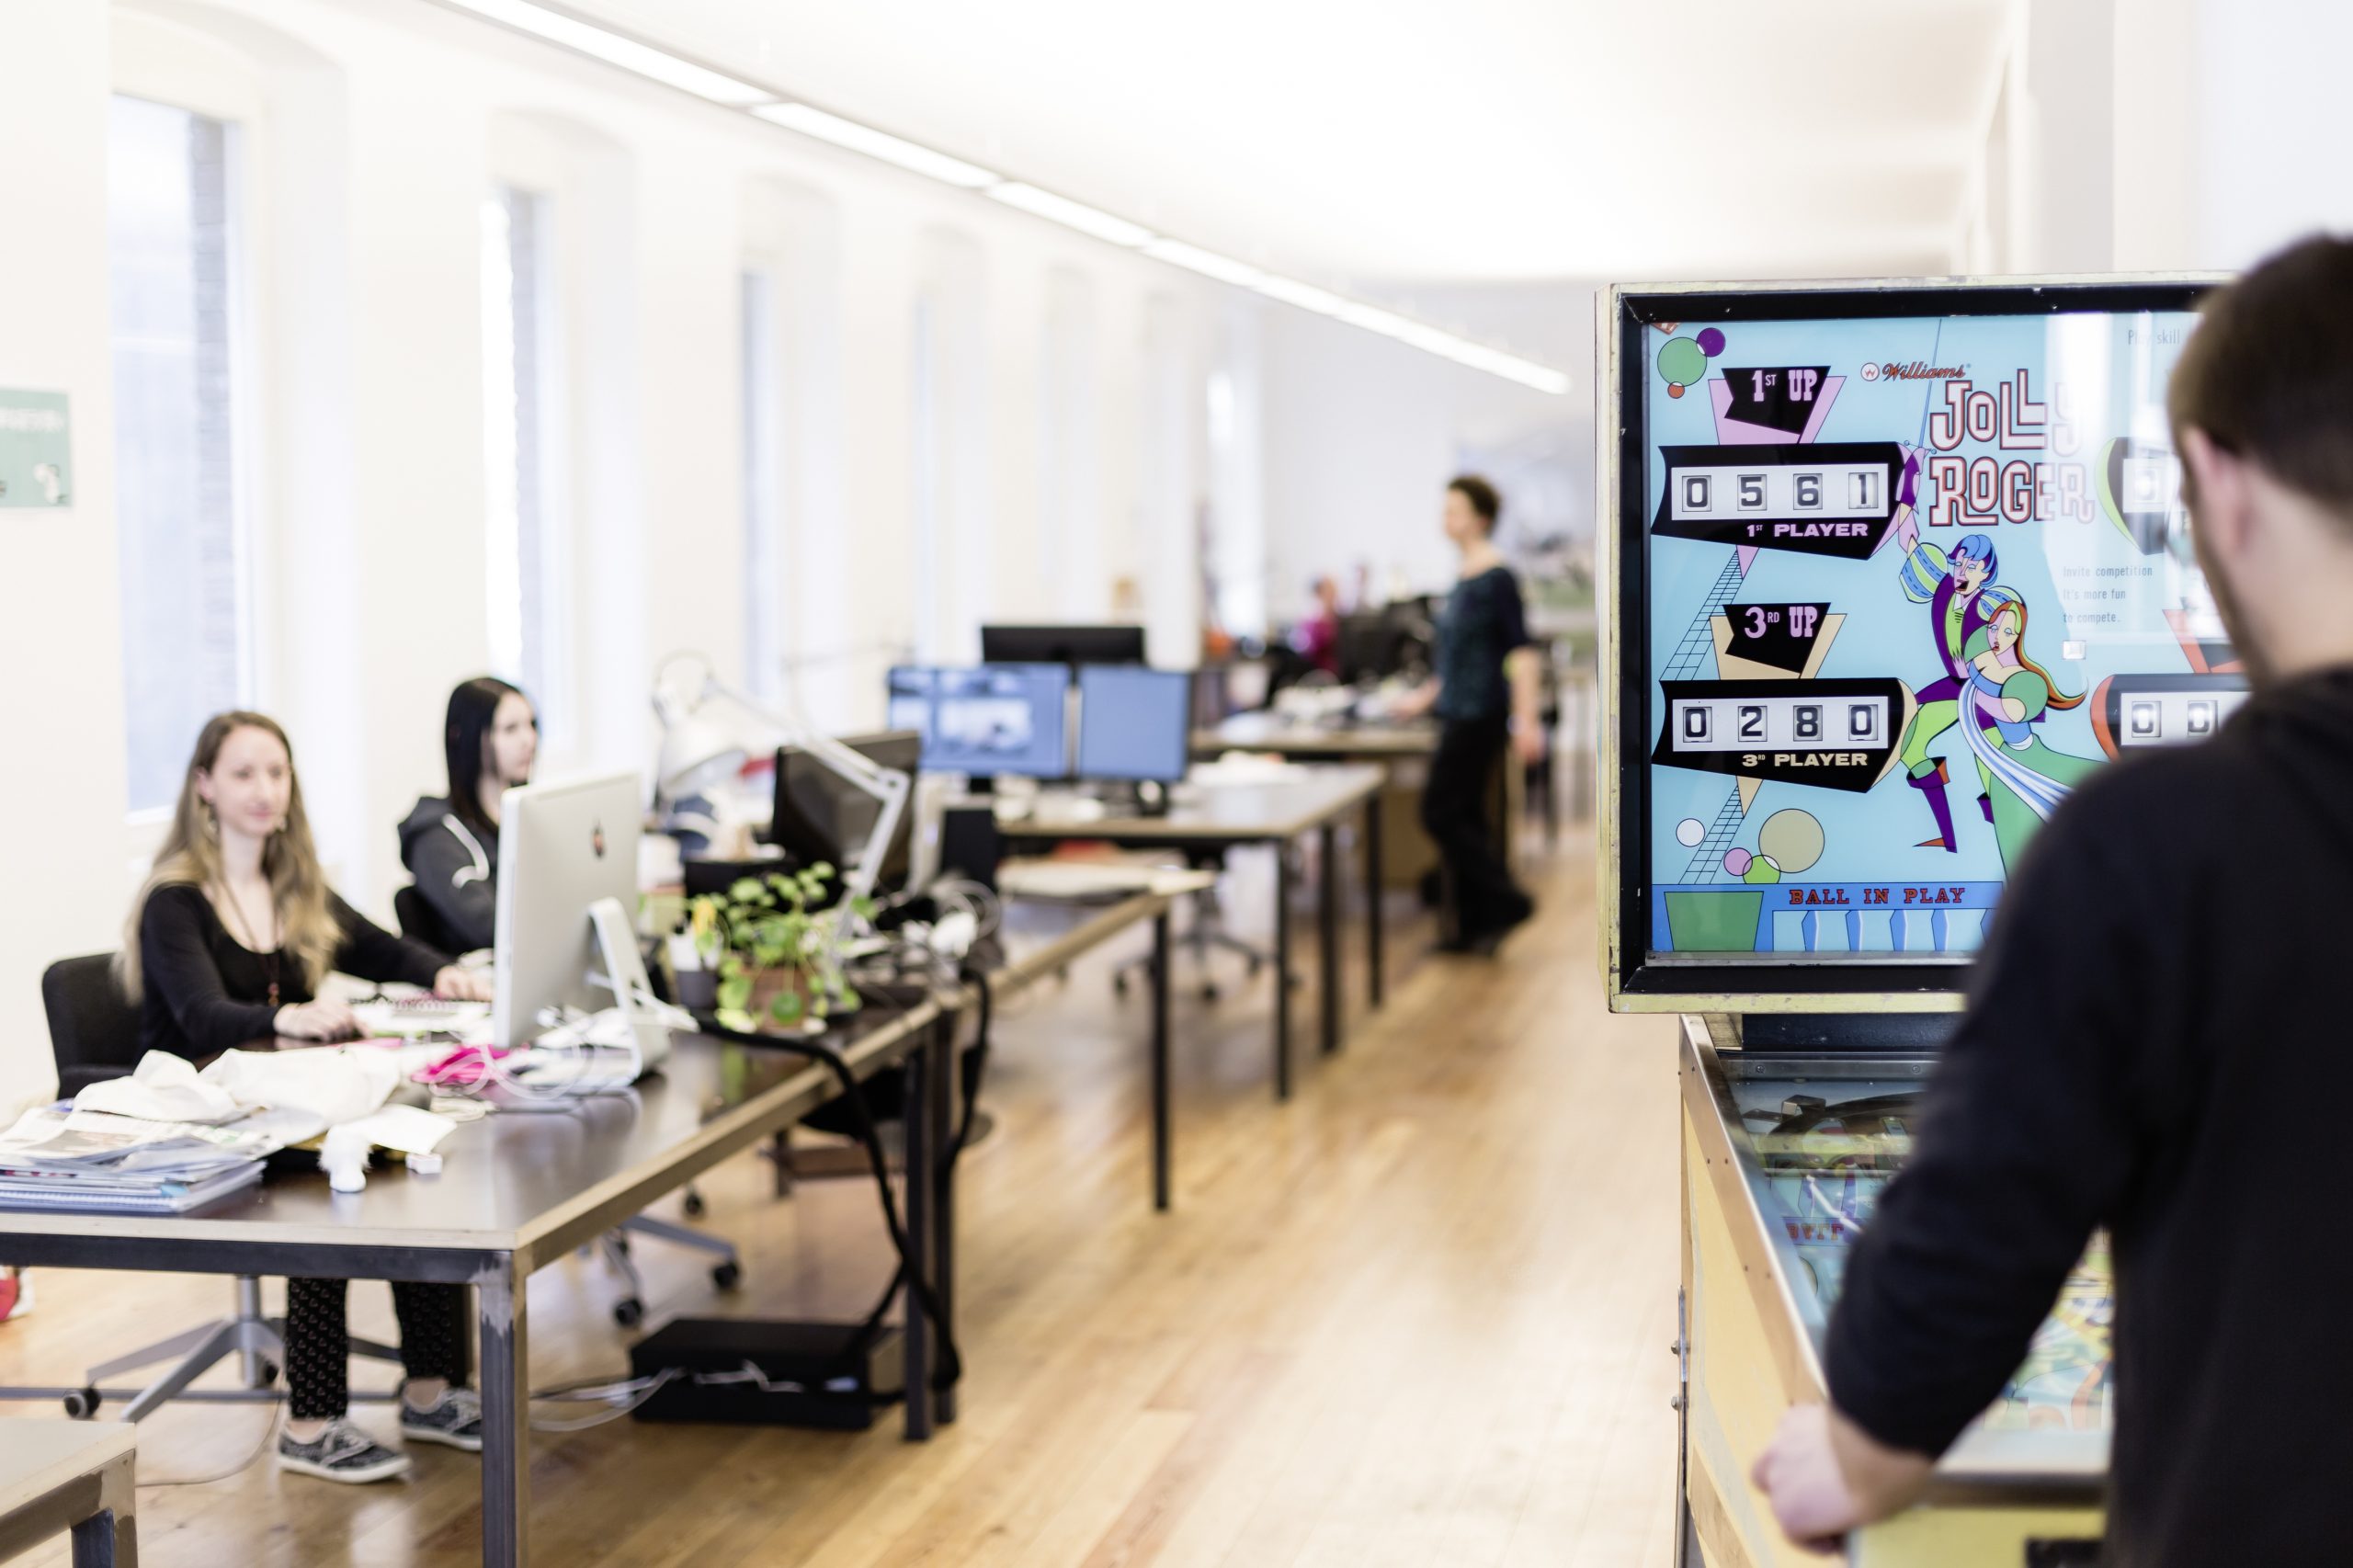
(60,638)
(377,143)
(1361,434)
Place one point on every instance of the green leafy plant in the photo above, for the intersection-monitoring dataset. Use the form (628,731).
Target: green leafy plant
(775,952)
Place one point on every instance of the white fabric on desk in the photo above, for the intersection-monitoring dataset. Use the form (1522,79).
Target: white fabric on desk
(335,1084)
(162,1087)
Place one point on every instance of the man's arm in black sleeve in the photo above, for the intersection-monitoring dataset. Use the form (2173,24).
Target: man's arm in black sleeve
(449,879)
(175,964)
(2027,1142)
(373,953)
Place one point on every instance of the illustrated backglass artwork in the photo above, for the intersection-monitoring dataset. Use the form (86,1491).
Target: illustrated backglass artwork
(1899,568)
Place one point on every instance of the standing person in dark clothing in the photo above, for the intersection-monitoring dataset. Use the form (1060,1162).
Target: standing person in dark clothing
(226,946)
(2141,1033)
(1483,690)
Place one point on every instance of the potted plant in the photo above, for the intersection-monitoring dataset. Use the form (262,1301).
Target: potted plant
(774,949)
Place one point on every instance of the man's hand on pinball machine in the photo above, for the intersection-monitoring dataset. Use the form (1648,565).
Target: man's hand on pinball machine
(1826,1476)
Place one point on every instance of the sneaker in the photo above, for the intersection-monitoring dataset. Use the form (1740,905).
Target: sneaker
(456,1421)
(343,1452)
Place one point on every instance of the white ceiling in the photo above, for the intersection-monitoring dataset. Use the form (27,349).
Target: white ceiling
(1378,142)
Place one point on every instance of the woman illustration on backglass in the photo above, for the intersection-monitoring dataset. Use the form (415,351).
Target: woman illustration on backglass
(2024,779)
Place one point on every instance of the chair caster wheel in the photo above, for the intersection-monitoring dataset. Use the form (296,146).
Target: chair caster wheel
(694,1205)
(1119,985)
(1209,992)
(728,1275)
(629,1313)
(82,1404)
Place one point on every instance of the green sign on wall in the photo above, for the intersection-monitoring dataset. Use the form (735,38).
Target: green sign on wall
(35,451)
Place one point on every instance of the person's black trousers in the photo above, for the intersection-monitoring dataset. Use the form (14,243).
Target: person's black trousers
(318,1346)
(1456,813)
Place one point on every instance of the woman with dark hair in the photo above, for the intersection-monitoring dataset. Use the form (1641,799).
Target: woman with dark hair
(226,946)
(450,844)
(1484,692)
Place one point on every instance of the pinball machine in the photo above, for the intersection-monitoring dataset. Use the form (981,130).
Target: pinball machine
(1891,567)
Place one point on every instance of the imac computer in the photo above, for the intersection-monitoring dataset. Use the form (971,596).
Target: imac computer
(821,816)
(567,882)
(1062,645)
(987,720)
(1135,724)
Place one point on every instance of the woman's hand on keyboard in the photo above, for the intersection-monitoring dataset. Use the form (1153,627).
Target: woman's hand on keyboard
(460,984)
(317,1021)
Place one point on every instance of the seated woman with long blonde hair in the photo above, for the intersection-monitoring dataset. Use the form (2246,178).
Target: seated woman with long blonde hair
(225,947)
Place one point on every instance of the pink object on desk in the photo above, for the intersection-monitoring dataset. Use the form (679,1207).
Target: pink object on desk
(464,1065)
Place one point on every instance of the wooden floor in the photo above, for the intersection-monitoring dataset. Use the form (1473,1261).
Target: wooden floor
(1422,1315)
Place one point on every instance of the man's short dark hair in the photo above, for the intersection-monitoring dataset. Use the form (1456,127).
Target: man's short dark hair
(1481,497)
(2268,372)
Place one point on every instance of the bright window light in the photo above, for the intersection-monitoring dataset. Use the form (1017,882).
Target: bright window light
(614,49)
(1209,264)
(1069,214)
(876,143)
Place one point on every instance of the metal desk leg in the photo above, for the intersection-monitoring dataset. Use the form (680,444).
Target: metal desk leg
(506,1417)
(1374,891)
(1327,918)
(109,1538)
(1282,970)
(945,1080)
(1160,1119)
(922,1189)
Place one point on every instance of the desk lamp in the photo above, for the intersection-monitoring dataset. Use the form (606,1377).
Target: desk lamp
(710,730)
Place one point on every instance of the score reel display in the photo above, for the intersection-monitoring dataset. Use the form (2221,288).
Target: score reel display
(1824,498)
(1840,734)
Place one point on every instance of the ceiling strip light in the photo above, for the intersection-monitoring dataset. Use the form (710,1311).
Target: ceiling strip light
(714,86)
(1209,264)
(1069,214)
(909,155)
(614,49)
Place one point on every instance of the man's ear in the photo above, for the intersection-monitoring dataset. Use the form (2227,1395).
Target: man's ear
(2217,486)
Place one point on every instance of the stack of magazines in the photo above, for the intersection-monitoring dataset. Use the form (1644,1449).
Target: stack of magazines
(89,1161)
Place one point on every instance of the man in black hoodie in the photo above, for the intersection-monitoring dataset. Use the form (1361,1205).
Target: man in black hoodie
(2150,1045)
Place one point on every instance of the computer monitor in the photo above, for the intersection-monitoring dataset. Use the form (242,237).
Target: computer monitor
(1371,646)
(1135,724)
(820,815)
(561,848)
(1062,645)
(987,719)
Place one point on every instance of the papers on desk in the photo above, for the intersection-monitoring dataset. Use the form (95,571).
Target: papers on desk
(1092,881)
(121,1165)
(1248,768)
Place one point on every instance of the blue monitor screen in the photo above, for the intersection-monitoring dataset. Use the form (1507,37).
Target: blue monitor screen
(1133,723)
(985,720)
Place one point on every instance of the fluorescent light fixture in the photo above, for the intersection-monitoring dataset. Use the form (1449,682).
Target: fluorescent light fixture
(614,49)
(875,143)
(1069,214)
(1209,264)
(660,65)
(1306,296)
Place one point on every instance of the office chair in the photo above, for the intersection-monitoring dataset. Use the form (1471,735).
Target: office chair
(93,1033)
(1206,930)
(420,923)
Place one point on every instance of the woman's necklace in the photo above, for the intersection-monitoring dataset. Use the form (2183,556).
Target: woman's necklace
(245,934)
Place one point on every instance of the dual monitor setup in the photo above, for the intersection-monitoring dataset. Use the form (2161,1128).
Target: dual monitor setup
(1012,715)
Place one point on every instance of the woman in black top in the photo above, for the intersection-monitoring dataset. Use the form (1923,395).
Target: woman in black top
(1484,691)
(450,844)
(226,945)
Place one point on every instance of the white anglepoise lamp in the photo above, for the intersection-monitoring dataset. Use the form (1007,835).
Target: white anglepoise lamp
(710,730)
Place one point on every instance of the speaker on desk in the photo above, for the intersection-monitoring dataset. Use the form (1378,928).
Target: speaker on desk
(970,845)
